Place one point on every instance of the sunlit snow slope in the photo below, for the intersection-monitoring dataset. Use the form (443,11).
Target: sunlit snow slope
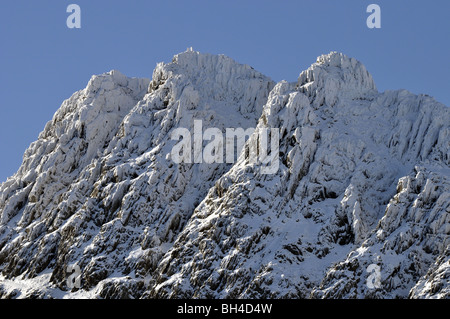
(363,179)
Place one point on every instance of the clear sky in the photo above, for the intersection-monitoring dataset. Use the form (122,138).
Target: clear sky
(43,62)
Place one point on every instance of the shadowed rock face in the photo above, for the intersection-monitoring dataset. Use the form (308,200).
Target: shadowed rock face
(363,179)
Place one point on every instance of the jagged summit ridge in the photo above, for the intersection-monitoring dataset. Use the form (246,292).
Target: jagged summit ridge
(334,75)
(73,137)
(363,179)
(125,197)
(342,159)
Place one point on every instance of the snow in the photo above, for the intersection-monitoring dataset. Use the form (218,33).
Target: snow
(363,178)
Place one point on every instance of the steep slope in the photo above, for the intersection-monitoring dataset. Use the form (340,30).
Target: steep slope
(39,198)
(334,206)
(103,195)
(363,181)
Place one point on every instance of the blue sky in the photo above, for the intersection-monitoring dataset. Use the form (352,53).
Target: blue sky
(43,62)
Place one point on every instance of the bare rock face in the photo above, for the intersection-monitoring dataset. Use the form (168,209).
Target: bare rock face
(362,182)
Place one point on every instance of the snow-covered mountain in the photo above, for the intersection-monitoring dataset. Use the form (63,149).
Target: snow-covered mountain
(363,182)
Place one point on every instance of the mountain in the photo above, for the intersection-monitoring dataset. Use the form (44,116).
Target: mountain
(357,207)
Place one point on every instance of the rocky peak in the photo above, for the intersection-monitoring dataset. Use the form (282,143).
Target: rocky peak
(335,76)
(362,179)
